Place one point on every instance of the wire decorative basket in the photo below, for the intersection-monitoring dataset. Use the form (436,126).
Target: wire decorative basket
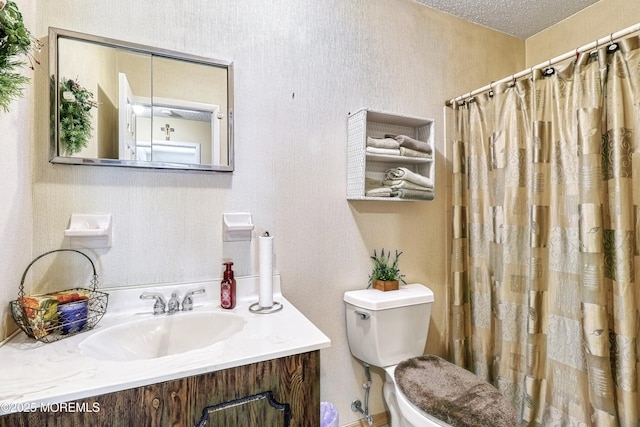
(58,315)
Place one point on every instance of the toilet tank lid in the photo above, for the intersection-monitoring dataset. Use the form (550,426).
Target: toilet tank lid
(373,299)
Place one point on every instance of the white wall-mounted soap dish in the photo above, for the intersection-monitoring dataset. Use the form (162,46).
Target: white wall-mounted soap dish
(236,226)
(89,231)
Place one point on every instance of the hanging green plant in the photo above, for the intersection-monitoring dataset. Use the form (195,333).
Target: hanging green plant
(16,42)
(76,103)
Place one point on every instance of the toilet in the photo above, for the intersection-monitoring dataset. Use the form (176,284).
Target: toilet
(388,329)
(385,328)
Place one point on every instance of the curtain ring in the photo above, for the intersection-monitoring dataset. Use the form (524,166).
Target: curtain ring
(612,45)
(491,90)
(549,70)
(594,52)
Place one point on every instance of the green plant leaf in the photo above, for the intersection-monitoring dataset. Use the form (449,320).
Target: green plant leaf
(15,42)
(75,107)
(385,268)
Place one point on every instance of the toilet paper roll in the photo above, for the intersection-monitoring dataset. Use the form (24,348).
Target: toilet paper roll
(266,271)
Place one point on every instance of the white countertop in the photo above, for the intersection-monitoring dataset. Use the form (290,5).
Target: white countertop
(33,374)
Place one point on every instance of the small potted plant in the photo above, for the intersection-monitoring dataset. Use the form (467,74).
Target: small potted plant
(386,274)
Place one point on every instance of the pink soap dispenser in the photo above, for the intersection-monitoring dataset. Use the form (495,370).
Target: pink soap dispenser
(228,288)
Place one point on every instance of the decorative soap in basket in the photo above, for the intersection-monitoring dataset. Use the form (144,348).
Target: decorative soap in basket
(52,312)
(57,315)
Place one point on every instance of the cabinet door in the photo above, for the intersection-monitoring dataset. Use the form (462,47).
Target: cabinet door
(257,410)
(293,380)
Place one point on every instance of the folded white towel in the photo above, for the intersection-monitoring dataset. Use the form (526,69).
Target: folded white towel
(408,175)
(382,142)
(413,194)
(407,141)
(380,192)
(409,152)
(387,151)
(402,183)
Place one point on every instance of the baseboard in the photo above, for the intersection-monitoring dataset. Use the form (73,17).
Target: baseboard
(379,420)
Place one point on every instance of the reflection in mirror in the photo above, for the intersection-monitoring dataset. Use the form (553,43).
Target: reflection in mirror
(120,104)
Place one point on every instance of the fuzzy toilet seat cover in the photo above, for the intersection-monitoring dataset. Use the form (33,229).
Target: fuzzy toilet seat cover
(453,394)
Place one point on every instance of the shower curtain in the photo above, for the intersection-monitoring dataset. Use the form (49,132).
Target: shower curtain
(545,285)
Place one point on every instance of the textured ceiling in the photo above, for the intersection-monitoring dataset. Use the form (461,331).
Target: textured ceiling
(519,18)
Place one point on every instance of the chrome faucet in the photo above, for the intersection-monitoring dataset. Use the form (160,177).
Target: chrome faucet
(174,304)
(160,304)
(187,302)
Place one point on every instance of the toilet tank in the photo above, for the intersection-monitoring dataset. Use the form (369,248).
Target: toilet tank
(385,328)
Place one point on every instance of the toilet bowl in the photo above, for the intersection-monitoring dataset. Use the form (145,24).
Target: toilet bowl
(389,330)
(405,413)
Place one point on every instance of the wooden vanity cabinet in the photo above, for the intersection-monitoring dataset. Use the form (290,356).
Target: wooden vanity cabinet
(279,392)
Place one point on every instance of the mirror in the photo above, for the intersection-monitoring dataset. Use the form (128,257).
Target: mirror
(123,104)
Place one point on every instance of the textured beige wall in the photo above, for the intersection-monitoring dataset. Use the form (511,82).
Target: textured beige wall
(300,68)
(595,22)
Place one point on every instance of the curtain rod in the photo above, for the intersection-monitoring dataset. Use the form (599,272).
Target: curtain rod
(607,39)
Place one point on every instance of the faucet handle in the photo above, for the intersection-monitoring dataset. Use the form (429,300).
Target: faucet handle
(160,304)
(187,302)
(174,303)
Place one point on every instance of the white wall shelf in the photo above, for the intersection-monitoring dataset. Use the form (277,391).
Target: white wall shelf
(364,169)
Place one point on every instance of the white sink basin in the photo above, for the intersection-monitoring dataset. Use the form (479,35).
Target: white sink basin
(160,336)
